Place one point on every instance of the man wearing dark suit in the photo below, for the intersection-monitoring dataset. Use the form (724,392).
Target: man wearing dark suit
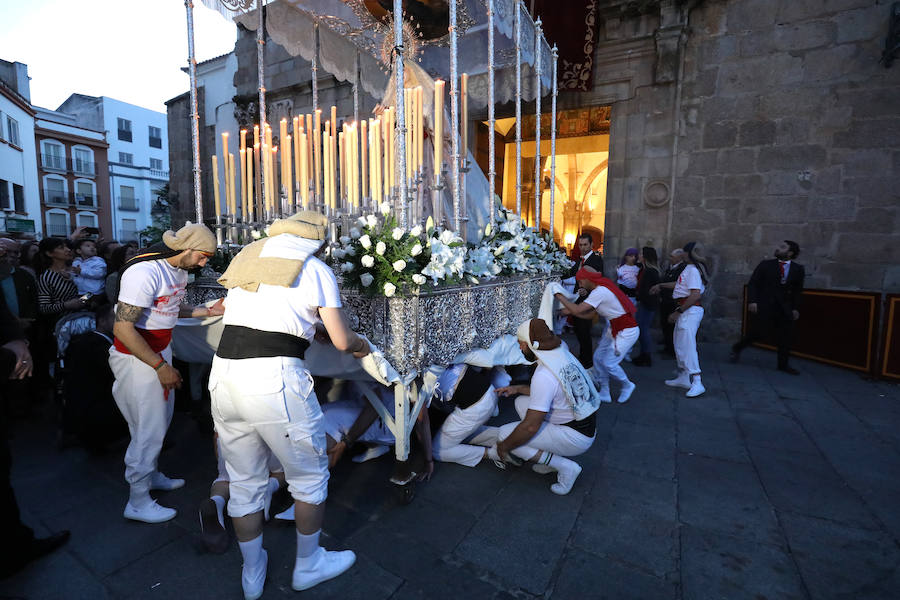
(773,296)
(591,259)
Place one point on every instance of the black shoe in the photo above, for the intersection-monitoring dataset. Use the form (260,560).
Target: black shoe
(789,370)
(37,548)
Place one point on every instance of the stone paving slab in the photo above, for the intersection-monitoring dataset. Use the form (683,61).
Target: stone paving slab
(768,486)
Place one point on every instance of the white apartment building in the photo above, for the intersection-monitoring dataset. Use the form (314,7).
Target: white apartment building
(138,156)
(20,203)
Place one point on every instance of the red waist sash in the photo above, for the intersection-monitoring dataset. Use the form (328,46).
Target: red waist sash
(619,323)
(157,339)
(681,302)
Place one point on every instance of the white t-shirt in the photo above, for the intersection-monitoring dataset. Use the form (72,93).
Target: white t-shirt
(157,287)
(605,302)
(628,275)
(547,395)
(688,280)
(292,310)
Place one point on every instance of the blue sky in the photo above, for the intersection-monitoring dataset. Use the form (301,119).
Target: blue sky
(125,49)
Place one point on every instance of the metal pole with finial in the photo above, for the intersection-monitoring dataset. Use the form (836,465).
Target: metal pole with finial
(402,200)
(555,54)
(261,76)
(518,36)
(195,113)
(538,47)
(454,116)
(492,174)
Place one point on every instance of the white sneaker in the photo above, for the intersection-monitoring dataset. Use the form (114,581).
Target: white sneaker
(253,580)
(695,390)
(682,381)
(542,469)
(150,513)
(625,392)
(321,566)
(604,393)
(568,472)
(286,515)
(158,481)
(371,453)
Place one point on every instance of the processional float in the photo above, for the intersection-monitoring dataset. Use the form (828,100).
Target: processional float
(370,174)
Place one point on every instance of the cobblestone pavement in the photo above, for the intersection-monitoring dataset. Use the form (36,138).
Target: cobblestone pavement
(769,486)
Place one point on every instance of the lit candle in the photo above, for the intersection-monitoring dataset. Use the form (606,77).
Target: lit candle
(256,135)
(420,130)
(225,170)
(243,139)
(364,147)
(258,213)
(243,168)
(298,131)
(232,206)
(438,129)
(304,170)
(276,185)
(287,177)
(392,148)
(264,155)
(317,153)
(342,165)
(464,118)
(215,174)
(248,205)
(376,162)
(386,124)
(408,121)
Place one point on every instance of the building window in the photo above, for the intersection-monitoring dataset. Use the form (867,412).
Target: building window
(55,192)
(124,129)
(127,201)
(84,194)
(12,130)
(85,220)
(53,155)
(83,160)
(57,223)
(4,194)
(2,137)
(19,198)
(126,158)
(129,230)
(155,137)
(156,164)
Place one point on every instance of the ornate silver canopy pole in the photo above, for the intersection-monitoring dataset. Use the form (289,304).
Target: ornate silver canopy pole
(454,116)
(402,200)
(538,47)
(261,76)
(491,119)
(518,36)
(315,185)
(195,113)
(555,54)
(356,88)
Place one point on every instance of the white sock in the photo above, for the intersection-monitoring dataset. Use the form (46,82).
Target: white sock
(252,551)
(492,453)
(696,378)
(220,508)
(307,544)
(140,497)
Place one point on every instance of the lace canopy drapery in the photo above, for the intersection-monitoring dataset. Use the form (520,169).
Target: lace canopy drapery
(346,26)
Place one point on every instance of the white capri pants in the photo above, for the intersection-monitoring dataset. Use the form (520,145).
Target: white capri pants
(147,410)
(610,352)
(340,417)
(685,339)
(462,423)
(262,404)
(222,470)
(558,439)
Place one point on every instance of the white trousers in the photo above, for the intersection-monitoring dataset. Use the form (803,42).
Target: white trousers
(340,417)
(222,470)
(610,352)
(685,339)
(262,404)
(462,424)
(558,439)
(147,410)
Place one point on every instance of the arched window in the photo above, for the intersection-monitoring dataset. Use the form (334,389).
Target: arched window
(53,155)
(85,194)
(85,219)
(56,191)
(57,223)
(83,161)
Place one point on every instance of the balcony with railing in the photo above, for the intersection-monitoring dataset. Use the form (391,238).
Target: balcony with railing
(54,162)
(129,204)
(86,201)
(57,199)
(83,167)
(159,174)
(57,229)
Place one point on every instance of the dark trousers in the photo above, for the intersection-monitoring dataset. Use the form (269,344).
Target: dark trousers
(666,308)
(15,533)
(781,326)
(585,343)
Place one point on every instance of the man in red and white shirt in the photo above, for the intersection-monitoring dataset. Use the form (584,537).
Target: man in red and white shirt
(152,288)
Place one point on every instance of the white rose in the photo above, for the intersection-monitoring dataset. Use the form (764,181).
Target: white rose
(385,208)
(389,289)
(367,261)
(397,233)
(446,236)
(255,234)
(347,267)
(488,229)
(366,241)
(416,250)
(416,231)
(366,279)
(338,253)
(418,279)
(371,220)
(399,265)
(354,233)
(344,239)
(380,248)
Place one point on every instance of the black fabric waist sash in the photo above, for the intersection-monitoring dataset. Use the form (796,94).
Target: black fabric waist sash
(474,383)
(586,427)
(244,342)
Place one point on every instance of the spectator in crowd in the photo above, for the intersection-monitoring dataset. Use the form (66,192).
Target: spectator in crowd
(22,546)
(105,249)
(647,303)
(627,273)
(27,254)
(773,297)
(89,269)
(666,304)
(18,286)
(592,260)
(117,260)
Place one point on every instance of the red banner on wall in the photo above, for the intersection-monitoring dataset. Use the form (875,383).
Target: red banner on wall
(574,30)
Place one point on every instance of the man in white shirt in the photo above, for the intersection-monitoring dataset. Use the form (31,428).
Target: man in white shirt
(550,431)
(582,326)
(280,296)
(150,302)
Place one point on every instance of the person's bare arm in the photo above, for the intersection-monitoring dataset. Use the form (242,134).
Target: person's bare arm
(523,432)
(199,312)
(509,390)
(670,285)
(582,311)
(363,421)
(124,330)
(343,338)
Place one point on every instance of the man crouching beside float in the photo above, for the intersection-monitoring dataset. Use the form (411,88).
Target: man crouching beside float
(280,296)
